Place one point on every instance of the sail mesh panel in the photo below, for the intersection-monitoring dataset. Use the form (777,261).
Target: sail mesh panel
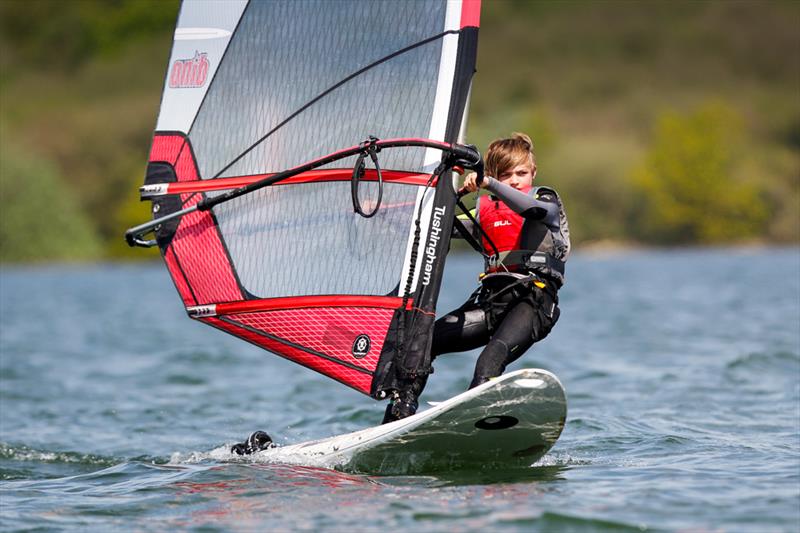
(276,64)
(305,239)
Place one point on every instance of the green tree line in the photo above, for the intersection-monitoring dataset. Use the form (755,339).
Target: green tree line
(661,123)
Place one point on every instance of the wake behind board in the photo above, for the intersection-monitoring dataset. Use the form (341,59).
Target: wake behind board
(510,421)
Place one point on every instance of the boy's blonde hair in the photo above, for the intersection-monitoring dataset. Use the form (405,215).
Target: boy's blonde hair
(505,154)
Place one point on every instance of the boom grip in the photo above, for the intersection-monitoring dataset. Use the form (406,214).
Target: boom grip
(468,154)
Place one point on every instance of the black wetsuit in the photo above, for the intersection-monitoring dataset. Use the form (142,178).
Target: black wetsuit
(506,335)
(511,311)
(523,315)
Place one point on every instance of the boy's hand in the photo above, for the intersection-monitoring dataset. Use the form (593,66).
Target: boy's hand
(470,182)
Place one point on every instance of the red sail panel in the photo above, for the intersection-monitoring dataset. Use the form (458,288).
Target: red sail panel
(337,174)
(330,331)
(166,148)
(204,260)
(198,259)
(304,302)
(178,277)
(343,343)
(471,13)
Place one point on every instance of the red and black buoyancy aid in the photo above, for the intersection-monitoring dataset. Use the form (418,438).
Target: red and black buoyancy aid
(525,244)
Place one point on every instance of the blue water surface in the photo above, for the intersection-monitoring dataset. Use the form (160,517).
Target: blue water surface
(682,369)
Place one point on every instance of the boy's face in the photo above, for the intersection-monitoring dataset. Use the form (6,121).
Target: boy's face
(518,176)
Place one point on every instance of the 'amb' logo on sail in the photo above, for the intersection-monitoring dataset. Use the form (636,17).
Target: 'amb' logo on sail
(189,73)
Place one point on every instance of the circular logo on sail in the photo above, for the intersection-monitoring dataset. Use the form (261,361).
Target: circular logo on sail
(361,346)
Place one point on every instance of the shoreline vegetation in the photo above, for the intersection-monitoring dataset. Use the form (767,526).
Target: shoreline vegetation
(661,124)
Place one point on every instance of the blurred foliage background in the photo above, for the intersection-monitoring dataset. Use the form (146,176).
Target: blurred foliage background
(660,122)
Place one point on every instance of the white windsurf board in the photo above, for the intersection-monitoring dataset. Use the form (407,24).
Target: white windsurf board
(510,421)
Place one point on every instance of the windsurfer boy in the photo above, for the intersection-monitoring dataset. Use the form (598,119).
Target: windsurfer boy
(517,302)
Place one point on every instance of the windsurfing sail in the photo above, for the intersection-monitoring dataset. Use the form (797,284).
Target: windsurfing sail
(295,175)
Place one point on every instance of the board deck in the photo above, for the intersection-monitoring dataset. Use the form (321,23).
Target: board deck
(510,421)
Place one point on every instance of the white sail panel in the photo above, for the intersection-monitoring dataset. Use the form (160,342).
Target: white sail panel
(203,32)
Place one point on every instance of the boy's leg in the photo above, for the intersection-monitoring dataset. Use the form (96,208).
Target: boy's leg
(460,330)
(523,325)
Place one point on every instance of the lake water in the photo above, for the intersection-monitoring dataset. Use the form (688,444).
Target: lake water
(682,369)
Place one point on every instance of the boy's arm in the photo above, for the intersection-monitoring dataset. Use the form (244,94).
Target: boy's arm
(542,207)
